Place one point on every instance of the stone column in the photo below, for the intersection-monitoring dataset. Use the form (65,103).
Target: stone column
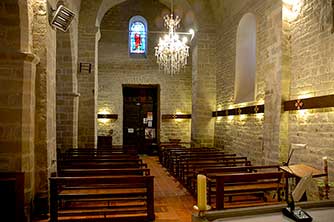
(44,45)
(285,89)
(67,97)
(17,93)
(17,107)
(203,89)
(273,90)
(87,86)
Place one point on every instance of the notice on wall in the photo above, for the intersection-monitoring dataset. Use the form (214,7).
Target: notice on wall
(131,130)
(149,133)
(149,116)
(149,123)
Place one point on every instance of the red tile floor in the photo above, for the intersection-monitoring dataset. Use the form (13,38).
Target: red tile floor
(172,202)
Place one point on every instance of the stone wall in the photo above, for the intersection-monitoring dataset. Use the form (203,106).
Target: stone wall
(67,84)
(17,93)
(117,68)
(251,135)
(312,74)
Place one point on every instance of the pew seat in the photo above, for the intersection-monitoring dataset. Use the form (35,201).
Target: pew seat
(121,197)
(230,185)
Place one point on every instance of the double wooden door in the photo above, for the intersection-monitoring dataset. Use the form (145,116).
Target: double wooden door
(140,117)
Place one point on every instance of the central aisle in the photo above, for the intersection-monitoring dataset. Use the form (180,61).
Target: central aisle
(172,202)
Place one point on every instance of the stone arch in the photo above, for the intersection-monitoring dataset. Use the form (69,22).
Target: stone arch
(108,4)
(245,75)
(91,15)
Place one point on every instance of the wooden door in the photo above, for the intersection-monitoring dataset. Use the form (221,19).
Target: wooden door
(140,118)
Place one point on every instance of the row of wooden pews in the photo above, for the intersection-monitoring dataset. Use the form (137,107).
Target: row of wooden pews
(101,185)
(232,181)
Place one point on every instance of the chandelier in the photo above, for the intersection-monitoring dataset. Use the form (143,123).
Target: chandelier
(171,52)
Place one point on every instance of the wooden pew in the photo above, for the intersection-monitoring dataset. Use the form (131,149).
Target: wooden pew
(100,164)
(163,147)
(70,156)
(212,172)
(103,172)
(12,194)
(187,167)
(172,154)
(120,198)
(239,184)
(167,153)
(187,158)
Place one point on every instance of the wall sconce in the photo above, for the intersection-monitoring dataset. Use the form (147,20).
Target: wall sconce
(309,103)
(62,18)
(240,111)
(176,116)
(107,116)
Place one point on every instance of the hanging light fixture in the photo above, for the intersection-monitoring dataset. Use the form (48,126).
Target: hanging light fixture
(171,52)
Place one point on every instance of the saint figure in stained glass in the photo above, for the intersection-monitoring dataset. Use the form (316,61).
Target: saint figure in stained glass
(137,38)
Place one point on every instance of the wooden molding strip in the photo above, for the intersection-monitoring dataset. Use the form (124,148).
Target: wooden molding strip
(240,111)
(176,116)
(309,103)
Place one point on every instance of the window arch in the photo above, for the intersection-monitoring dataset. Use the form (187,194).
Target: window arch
(138,36)
(245,70)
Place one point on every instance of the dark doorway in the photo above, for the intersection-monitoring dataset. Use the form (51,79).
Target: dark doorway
(140,117)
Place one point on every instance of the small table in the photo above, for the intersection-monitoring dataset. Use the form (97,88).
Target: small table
(299,171)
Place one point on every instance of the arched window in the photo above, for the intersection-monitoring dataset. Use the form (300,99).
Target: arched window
(245,70)
(137,36)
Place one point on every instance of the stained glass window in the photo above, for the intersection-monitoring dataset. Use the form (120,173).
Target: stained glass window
(137,35)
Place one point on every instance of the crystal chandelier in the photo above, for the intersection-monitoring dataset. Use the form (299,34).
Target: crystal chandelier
(171,52)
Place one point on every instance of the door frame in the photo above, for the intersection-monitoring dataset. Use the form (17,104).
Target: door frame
(144,86)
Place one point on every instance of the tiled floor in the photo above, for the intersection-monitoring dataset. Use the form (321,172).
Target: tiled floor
(172,201)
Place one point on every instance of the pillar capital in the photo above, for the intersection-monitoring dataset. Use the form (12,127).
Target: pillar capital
(19,56)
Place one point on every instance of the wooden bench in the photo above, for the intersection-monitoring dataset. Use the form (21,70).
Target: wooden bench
(246,183)
(100,164)
(212,172)
(183,160)
(172,155)
(93,156)
(169,153)
(189,166)
(103,172)
(12,194)
(115,198)
(182,157)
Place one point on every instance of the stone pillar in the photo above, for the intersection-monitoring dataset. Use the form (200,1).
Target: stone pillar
(67,96)
(44,45)
(203,89)
(285,89)
(273,90)
(17,93)
(17,107)
(87,86)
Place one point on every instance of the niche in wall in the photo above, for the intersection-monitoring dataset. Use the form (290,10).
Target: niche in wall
(245,70)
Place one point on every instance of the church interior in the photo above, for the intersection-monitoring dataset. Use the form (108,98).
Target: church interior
(119,110)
